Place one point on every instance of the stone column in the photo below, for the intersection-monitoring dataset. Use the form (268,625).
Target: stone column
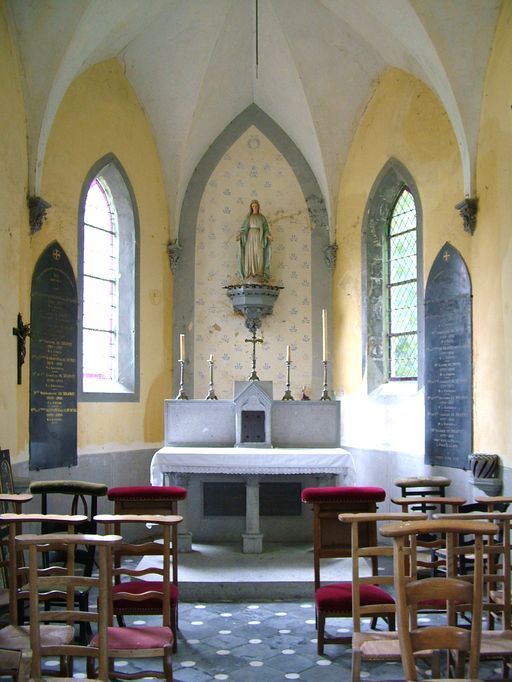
(252,538)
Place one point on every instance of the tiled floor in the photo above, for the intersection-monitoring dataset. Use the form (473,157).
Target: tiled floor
(262,642)
(242,631)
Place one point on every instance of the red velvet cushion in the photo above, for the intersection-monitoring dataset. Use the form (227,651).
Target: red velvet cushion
(137,587)
(338,597)
(344,494)
(144,637)
(148,492)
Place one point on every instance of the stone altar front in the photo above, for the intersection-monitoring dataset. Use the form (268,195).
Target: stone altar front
(175,465)
(248,439)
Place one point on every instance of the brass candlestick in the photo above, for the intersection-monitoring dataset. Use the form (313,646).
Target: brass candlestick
(211,393)
(325,394)
(288,393)
(181,393)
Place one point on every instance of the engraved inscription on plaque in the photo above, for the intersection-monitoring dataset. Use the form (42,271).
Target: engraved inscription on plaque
(53,362)
(448,362)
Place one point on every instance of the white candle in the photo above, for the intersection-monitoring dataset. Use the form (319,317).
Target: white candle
(288,354)
(182,347)
(324,335)
(210,358)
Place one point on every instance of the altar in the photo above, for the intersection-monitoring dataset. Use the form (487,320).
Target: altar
(196,468)
(244,462)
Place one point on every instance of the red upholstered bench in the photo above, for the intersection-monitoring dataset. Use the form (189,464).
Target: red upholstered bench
(331,539)
(147,498)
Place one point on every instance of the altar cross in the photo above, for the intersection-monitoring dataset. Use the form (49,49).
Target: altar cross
(254,341)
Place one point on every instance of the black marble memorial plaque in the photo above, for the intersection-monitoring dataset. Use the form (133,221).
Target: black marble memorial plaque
(448,362)
(53,362)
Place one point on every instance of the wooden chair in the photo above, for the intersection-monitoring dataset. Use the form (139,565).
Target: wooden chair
(9,502)
(77,497)
(496,642)
(423,486)
(136,595)
(372,646)
(15,664)
(333,540)
(52,632)
(144,500)
(457,591)
(136,592)
(431,557)
(16,634)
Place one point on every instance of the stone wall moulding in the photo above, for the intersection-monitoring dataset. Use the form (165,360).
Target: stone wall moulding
(468,209)
(37,208)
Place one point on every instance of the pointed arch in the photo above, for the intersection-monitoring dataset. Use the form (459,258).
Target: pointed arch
(123,386)
(184,295)
(386,190)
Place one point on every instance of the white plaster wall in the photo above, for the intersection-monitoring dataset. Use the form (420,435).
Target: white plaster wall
(252,168)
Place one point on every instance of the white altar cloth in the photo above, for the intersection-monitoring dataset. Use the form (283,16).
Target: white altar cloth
(270,461)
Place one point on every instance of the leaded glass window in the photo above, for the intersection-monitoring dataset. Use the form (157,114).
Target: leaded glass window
(100,285)
(402,283)
(108,267)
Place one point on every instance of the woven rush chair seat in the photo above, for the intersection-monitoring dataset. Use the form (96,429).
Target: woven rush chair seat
(332,539)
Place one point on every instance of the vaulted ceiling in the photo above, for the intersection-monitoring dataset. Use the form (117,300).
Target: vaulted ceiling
(192,64)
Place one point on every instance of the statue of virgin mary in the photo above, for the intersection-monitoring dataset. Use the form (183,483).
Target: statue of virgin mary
(255,249)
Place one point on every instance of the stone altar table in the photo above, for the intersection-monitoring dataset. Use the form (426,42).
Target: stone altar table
(173,464)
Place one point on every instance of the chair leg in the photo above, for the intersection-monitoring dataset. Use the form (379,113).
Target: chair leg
(356,665)
(174,628)
(320,639)
(168,663)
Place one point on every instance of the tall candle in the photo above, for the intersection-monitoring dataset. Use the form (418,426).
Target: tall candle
(324,335)
(210,358)
(182,347)
(288,354)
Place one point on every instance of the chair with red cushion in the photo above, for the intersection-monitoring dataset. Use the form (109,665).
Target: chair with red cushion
(144,500)
(332,539)
(132,593)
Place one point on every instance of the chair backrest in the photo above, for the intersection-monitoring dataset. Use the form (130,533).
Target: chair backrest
(144,550)
(9,502)
(330,538)
(431,560)
(47,581)
(497,563)
(79,497)
(18,567)
(458,591)
(365,552)
(151,499)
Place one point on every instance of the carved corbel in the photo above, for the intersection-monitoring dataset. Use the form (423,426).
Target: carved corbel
(37,208)
(173,253)
(468,209)
(330,252)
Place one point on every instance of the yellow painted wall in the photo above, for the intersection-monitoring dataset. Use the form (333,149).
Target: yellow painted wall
(404,120)
(492,253)
(13,241)
(100,114)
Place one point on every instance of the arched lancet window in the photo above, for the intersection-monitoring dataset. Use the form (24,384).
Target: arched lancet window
(402,276)
(392,282)
(108,280)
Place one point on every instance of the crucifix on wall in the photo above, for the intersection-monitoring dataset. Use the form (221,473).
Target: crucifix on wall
(21,331)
